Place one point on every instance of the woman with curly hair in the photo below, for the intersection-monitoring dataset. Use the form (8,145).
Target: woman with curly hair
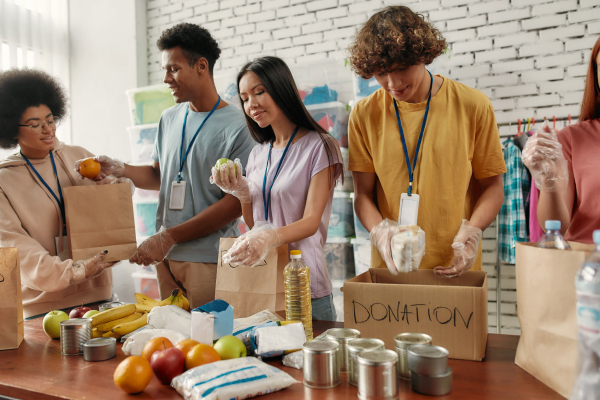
(423,149)
(32,215)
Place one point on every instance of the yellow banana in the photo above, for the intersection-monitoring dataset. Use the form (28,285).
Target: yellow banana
(143,299)
(144,308)
(96,333)
(186,303)
(128,327)
(107,326)
(111,334)
(112,314)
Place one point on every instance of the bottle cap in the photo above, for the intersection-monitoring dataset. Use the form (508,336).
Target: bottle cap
(552,225)
(295,254)
(596,236)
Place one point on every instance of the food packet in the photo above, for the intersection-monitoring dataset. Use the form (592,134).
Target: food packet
(408,248)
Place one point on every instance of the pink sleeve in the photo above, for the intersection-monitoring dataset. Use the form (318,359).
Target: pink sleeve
(320,160)
(564,137)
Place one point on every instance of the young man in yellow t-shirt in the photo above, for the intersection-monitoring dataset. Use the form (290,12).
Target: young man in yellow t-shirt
(448,127)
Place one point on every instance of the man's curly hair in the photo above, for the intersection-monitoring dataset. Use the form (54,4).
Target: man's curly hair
(194,41)
(394,37)
(24,88)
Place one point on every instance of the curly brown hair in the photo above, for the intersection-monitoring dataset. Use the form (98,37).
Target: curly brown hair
(394,37)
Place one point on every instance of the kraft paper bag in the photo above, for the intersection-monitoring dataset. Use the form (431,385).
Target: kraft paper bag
(546,303)
(11,307)
(250,290)
(100,217)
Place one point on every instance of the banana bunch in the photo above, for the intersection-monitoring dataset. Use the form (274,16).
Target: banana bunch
(145,303)
(118,321)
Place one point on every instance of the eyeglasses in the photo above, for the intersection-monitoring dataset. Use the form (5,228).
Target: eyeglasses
(38,127)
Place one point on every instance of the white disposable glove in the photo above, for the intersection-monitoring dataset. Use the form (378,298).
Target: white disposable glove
(466,246)
(544,158)
(252,247)
(381,237)
(90,268)
(111,180)
(109,166)
(230,180)
(154,249)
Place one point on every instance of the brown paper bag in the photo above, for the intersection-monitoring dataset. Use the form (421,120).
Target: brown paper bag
(11,308)
(546,307)
(250,290)
(100,217)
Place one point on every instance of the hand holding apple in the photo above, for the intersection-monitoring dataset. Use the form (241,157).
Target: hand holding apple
(52,322)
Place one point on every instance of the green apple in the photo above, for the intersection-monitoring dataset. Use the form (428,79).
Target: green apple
(225,161)
(230,347)
(52,322)
(90,313)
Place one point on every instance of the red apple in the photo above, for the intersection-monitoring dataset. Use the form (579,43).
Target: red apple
(167,364)
(78,312)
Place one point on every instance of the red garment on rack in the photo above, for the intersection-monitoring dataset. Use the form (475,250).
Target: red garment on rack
(535,230)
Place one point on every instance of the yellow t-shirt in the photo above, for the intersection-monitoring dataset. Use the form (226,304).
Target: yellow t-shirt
(460,145)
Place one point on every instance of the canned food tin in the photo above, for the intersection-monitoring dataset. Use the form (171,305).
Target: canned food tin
(108,306)
(321,364)
(343,336)
(403,342)
(428,360)
(355,347)
(100,349)
(73,334)
(433,385)
(377,376)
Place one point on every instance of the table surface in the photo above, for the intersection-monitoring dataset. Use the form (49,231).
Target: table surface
(37,370)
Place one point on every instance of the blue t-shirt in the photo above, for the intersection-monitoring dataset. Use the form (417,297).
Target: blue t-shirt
(224,135)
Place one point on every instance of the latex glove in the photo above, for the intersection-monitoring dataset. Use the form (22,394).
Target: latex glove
(154,249)
(252,247)
(109,166)
(230,180)
(381,237)
(544,158)
(466,246)
(111,180)
(90,268)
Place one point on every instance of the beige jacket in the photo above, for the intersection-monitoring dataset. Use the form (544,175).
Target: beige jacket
(30,219)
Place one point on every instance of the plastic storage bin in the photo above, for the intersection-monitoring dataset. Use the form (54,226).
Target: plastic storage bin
(145,217)
(348,185)
(341,221)
(364,87)
(141,139)
(362,255)
(359,230)
(146,283)
(338,299)
(333,117)
(339,256)
(146,104)
(323,81)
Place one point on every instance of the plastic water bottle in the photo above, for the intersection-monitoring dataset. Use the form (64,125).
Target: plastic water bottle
(297,293)
(587,284)
(552,239)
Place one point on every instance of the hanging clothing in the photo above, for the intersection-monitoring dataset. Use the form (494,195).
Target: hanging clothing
(511,221)
(535,229)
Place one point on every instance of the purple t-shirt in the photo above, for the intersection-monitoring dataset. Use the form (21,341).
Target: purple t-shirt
(304,159)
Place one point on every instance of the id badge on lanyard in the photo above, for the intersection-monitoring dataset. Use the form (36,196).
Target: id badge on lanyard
(409,209)
(177,199)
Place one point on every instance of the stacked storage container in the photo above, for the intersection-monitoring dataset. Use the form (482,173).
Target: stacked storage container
(146,105)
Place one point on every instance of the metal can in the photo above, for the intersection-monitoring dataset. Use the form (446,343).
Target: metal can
(73,334)
(403,342)
(355,347)
(433,385)
(427,360)
(321,364)
(343,336)
(108,306)
(377,375)
(100,349)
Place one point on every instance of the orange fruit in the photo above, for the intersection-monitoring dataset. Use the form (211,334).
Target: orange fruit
(89,168)
(133,374)
(201,354)
(186,345)
(156,344)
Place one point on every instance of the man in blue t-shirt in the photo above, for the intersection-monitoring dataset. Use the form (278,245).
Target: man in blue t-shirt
(192,135)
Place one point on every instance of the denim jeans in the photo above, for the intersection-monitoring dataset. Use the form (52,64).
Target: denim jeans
(323,309)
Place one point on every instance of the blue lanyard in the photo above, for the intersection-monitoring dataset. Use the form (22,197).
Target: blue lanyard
(61,202)
(267,201)
(181,156)
(406,157)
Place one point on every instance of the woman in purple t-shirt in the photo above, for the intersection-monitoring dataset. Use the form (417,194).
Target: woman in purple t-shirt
(287,192)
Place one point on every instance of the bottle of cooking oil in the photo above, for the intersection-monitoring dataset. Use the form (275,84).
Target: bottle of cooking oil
(297,293)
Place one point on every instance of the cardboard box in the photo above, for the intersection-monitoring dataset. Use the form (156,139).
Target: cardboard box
(452,311)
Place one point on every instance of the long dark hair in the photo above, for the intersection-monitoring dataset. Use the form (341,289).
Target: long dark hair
(590,106)
(278,81)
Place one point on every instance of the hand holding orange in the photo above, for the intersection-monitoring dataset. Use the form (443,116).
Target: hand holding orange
(89,168)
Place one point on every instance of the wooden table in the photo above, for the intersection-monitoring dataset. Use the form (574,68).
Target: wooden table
(37,370)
